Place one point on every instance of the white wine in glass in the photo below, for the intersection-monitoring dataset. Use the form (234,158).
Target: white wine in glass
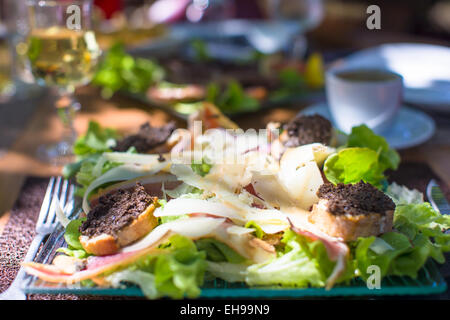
(62,56)
(7,87)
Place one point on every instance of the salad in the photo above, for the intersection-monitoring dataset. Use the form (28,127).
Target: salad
(295,205)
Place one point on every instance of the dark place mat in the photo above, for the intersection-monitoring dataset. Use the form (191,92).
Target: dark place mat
(19,230)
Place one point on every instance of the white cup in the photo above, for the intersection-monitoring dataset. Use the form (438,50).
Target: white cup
(363,96)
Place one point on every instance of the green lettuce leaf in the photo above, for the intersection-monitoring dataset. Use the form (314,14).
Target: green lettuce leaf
(302,263)
(411,262)
(403,195)
(420,236)
(186,191)
(187,107)
(89,147)
(232,99)
(291,82)
(364,157)
(363,137)
(121,71)
(72,237)
(200,49)
(145,280)
(162,202)
(177,272)
(71,169)
(291,78)
(351,165)
(72,233)
(96,140)
(230,272)
(181,272)
(218,251)
(259,233)
(166,219)
(91,168)
(76,253)
(415,219)
(365,256)
(202,169)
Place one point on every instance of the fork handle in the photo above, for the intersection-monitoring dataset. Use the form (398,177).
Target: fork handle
(15,291)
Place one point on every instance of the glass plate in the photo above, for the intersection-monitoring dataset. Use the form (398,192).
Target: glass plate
(429,281)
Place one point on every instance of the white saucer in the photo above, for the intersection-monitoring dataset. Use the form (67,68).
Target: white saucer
(425,69)
(410,128)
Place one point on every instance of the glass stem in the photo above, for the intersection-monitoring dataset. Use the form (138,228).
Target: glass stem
(66,107)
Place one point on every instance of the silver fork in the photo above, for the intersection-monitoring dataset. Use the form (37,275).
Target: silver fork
(437,198)
(46,223)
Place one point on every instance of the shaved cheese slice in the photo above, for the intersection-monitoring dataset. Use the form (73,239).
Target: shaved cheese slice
(205,227)
(185,174)
(316,152)
(240,230)
(246,245)
(272,228)
(300,175)
(231,272)
(154,179)
(182,206)
(191,228)
(321,152)
(97,171)
(60,215)
(148,160)
(266,215)
(180,140)
(270,220)
(302,183)
(264,185)
(379,246)
(296,182)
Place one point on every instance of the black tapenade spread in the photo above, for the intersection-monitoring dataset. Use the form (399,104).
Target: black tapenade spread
(115,211)
(147,138)
(355,199)
(308,129)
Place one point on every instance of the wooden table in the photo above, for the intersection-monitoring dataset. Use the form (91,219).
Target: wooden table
(125,114)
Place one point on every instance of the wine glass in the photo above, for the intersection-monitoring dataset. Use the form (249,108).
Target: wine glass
(62,55)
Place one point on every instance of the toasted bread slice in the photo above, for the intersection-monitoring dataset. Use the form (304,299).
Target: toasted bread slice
(101,245)
(307,129)
(106,244)
(119,218)
(349,226)
(148,139)
(349,211)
